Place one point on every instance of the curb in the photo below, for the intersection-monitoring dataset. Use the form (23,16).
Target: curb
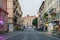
(52,34)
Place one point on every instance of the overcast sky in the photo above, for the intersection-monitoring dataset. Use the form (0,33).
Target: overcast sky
(30,7)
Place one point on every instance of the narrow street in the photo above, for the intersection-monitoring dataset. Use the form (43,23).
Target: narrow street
(29,19)
(30,35)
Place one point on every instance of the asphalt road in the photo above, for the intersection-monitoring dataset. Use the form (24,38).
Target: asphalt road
(31,35)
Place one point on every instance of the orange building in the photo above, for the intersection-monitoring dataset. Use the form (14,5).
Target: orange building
(3,15)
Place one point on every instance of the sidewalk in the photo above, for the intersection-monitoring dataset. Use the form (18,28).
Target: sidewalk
(56,35)
(3,37)
(11,33)
(53,34)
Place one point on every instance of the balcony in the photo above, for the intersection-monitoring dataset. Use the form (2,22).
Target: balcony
(52,12)
(14,8)
(15,20)
(15,0)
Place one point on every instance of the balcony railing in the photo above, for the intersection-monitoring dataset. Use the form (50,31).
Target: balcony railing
(52,12)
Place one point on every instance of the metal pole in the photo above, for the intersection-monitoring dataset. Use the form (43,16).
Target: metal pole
(44,24)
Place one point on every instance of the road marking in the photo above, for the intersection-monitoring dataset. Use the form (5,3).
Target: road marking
(25,36)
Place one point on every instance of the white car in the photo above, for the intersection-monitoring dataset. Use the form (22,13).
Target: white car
(29,29)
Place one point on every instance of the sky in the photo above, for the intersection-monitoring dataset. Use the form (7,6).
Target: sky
(30,7)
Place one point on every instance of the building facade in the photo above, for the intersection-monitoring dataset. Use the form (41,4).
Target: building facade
(10,15)
(15,13)
(52,7)
(40,15)
(27,21)
(3,4)
(3,16)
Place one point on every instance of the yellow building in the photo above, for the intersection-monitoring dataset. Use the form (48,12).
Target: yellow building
(27,21)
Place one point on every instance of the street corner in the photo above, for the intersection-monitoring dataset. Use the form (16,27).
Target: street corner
(2,37)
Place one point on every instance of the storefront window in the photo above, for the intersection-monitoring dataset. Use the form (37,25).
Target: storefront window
(58,15)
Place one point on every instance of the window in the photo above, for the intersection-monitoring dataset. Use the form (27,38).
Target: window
(49,2)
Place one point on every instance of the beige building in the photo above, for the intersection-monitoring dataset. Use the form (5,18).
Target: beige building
(15,13)
(10,15)
(27,21)
(3,16)
(52,8)
(40,14)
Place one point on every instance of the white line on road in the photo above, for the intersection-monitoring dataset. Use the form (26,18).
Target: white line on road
(25,36)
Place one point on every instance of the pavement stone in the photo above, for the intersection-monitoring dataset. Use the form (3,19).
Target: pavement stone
(3,37)
(53,34)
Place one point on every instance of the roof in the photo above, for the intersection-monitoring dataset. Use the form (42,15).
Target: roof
(29,17)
